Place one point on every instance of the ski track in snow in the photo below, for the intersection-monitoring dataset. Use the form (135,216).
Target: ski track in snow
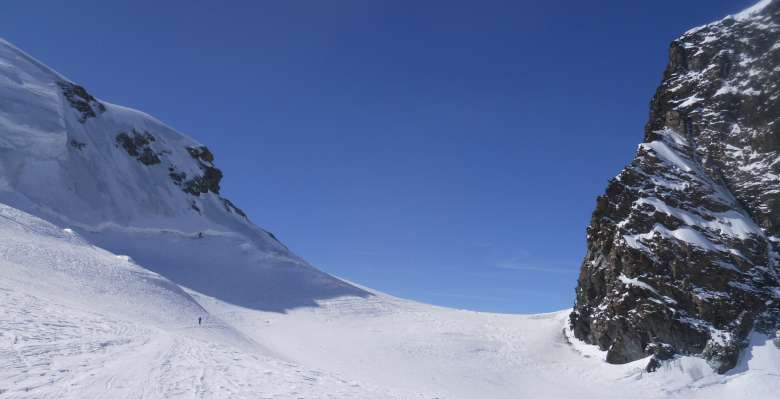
(77,321)
(52,351)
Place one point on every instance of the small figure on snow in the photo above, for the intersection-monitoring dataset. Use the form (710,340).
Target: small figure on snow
(199,320)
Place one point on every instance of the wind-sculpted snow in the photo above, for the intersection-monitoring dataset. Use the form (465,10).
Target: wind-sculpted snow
(130,183)
(682,249)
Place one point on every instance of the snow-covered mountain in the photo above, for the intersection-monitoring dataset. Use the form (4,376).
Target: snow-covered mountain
(135,186)
(115,242)
(77,321)
(683,247)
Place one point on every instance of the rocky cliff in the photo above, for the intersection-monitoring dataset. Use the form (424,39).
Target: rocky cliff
(683,246)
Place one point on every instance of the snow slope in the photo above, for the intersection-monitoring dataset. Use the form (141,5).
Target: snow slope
(77,321)
(63,158)
(423,351)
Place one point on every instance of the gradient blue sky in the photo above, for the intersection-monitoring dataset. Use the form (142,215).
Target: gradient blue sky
(445,151)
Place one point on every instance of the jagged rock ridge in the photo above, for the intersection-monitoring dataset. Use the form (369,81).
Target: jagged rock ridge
(683,246)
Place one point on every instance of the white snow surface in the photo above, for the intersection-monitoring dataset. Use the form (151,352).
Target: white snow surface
(752,10)
(77,321)
(105,268)
(743,15)
(120,204)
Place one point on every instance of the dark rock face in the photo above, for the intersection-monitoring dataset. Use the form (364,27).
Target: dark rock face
(683,246)
(177,177)
(211,177)
(77,144)
(201,153)
(138,145)
(230,207)
(83,102)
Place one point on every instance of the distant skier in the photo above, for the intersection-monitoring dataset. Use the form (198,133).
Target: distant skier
(199,320)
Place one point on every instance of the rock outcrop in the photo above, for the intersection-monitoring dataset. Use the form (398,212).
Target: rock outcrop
(683,246)
(84,103)
(138,145)
(124,181)
(209,179)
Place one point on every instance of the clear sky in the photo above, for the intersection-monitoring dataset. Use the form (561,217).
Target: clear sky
(445,151)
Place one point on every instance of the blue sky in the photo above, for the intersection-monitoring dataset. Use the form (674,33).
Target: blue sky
(450,152)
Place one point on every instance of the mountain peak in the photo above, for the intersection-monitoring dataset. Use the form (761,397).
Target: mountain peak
(683,246)
(134,185)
